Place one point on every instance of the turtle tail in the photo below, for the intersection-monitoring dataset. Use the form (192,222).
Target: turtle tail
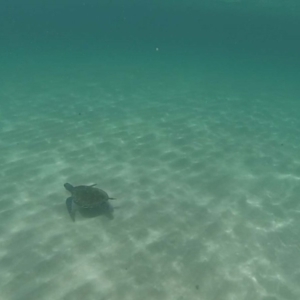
(111,198)
(69,187)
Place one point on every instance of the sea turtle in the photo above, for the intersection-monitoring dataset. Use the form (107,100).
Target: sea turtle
(87,198)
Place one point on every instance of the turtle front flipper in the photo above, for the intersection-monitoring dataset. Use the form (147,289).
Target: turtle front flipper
(71,207)
(69,187)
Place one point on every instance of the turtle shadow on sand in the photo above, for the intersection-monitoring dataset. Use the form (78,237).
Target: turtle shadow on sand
(89,201)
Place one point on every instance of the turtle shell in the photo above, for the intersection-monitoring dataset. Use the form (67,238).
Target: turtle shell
(89,196)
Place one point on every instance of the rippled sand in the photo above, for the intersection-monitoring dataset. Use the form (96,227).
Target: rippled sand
(207,193)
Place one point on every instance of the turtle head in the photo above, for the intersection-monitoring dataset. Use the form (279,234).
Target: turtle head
(69,187)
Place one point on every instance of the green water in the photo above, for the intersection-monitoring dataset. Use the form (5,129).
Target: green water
(187,113)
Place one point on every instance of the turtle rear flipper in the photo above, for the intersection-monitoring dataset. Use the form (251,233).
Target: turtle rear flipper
(71,207)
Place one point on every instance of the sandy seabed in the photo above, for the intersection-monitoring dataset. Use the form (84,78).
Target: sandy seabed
(207,197)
